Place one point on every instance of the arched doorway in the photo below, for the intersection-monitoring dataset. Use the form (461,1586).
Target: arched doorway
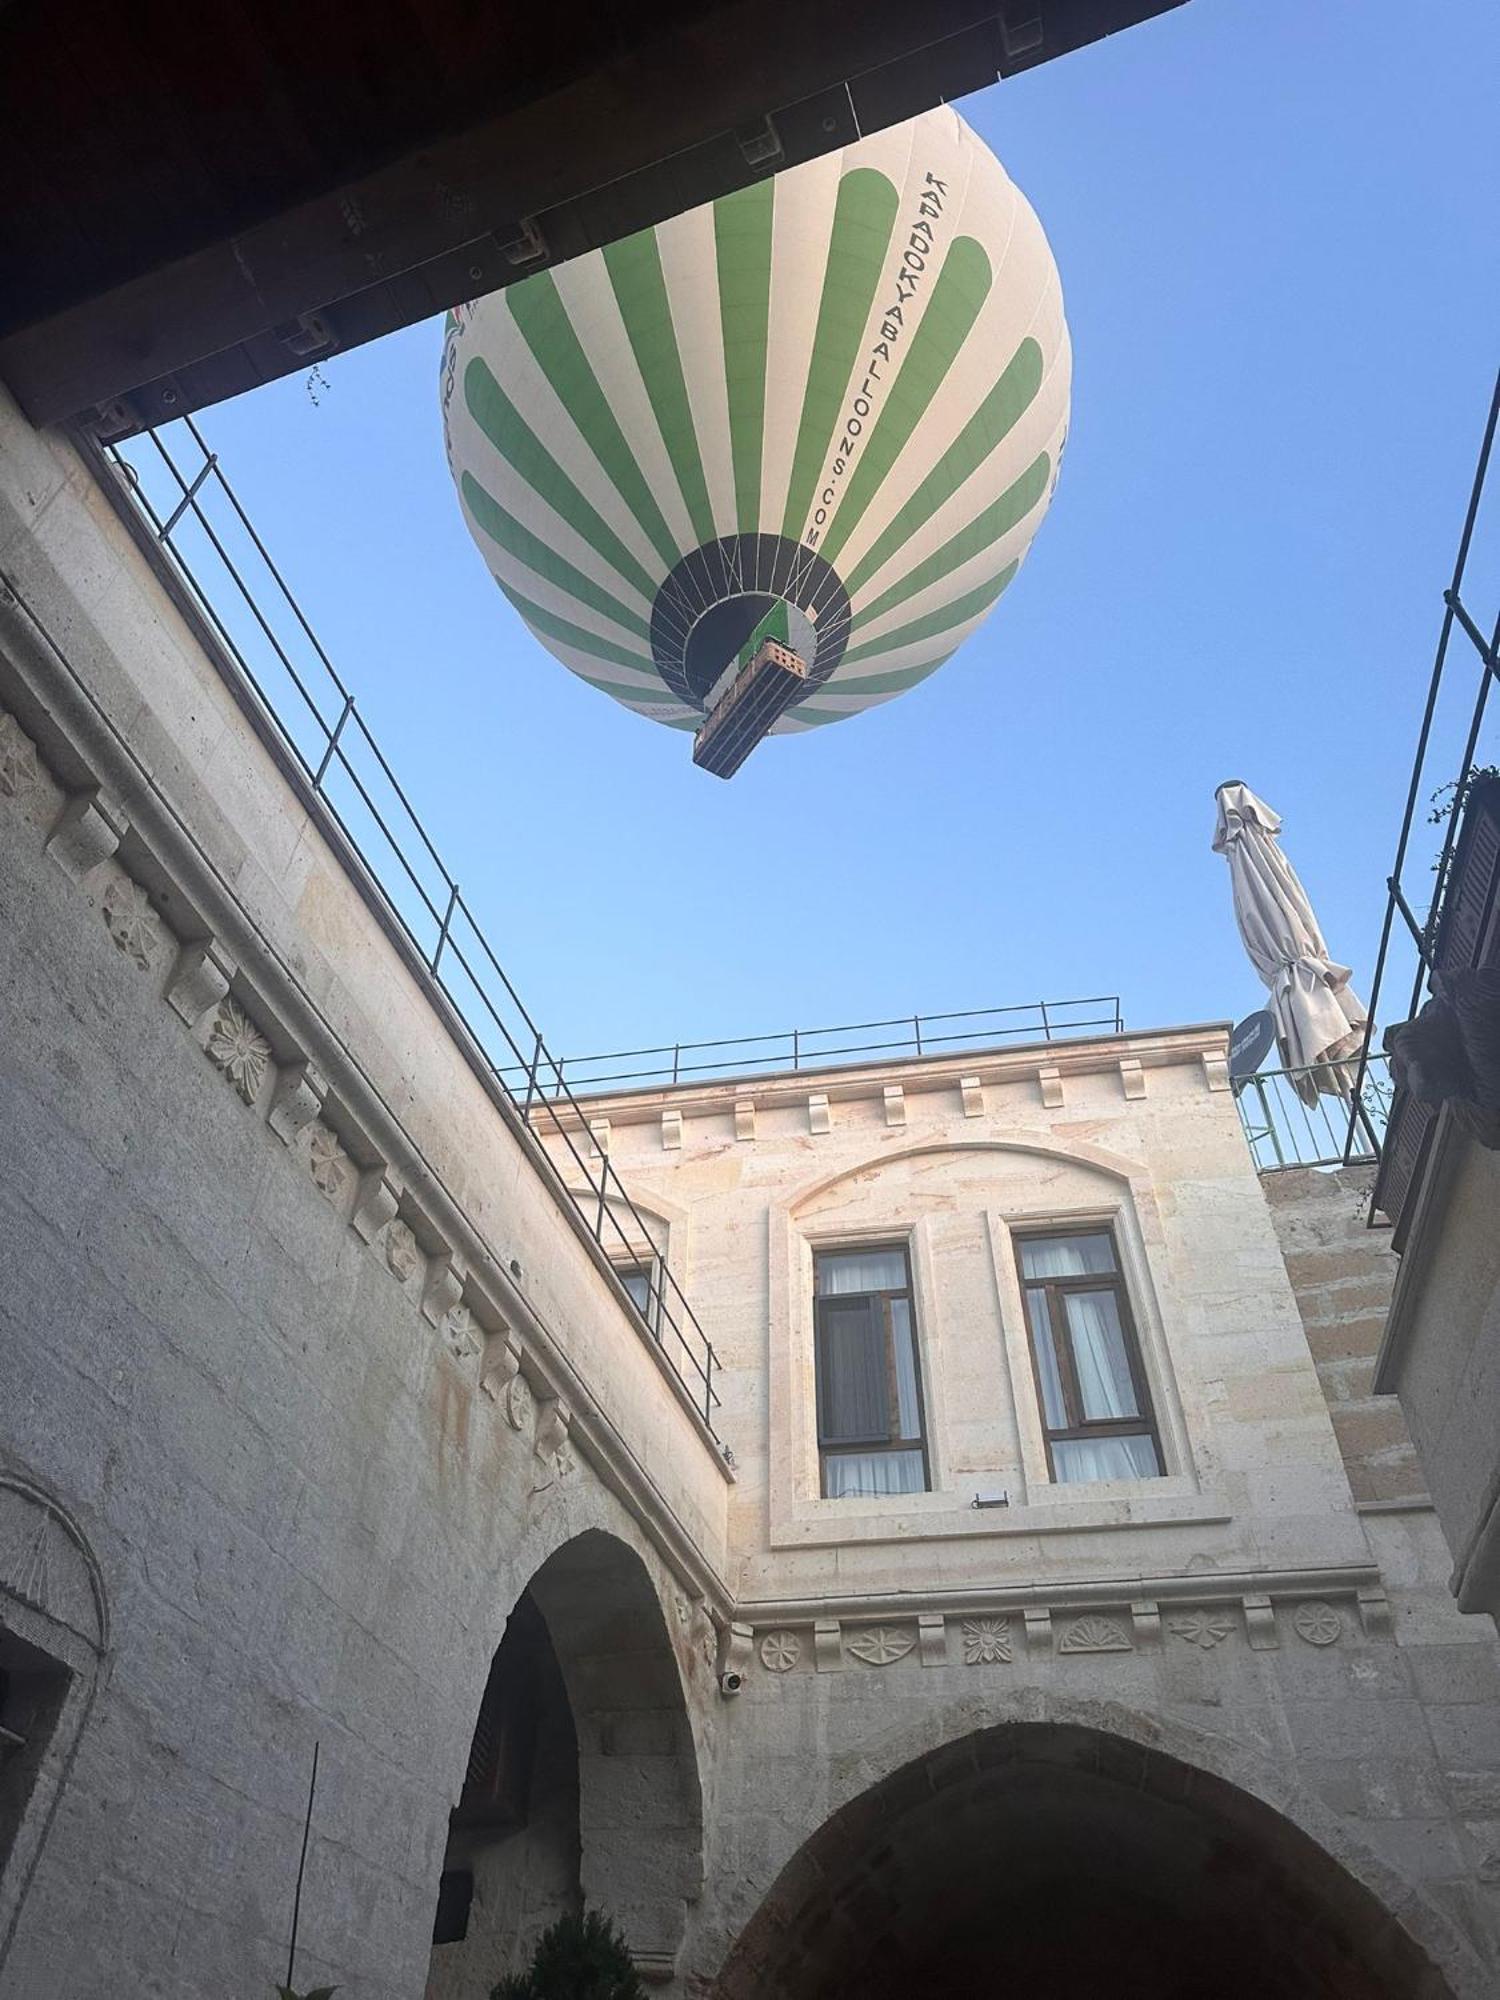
(1055,1858)
(582,1780)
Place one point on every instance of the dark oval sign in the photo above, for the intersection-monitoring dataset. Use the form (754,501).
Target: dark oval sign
(1250,1044)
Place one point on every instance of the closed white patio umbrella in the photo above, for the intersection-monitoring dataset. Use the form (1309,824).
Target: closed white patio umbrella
(1320,1021)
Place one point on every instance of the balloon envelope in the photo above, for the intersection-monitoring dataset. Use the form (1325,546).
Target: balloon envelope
(835,400)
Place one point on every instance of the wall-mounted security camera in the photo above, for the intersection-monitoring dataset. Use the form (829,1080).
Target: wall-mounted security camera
(731,1682)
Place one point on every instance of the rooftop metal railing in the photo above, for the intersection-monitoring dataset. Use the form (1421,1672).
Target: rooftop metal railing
(1439,781)
(280,669)
(816,1048)
(1284,1130)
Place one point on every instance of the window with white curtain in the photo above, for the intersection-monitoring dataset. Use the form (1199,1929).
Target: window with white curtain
(1096,1407)
(870,1437)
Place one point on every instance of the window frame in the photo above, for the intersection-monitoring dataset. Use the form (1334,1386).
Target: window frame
(1082,1429)
(851,1448)
(647,1267)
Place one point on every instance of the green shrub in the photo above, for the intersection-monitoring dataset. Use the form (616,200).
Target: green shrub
(577,1958)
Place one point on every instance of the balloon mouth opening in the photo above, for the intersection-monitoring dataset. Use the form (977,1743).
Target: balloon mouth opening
(719,596)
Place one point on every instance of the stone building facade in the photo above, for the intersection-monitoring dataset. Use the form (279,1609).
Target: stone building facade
(322,1414)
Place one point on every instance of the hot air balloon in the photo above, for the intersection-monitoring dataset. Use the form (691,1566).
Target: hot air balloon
(765,465)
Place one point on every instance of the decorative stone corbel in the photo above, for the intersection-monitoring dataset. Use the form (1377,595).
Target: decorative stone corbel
(200,979)
(971,1090)
(1038,1622)
(1050,1083)
(1132,1076)
(501,1364)
(376,1202)
(1145,1622)
(1260,1624)
(895,1104)
(1374,1612)
(818,1118)
(1215,1071)
(744,1118)
(932,1639)
(89,828)
(734,1656)
(444,1287)
(297,1100)
(599,1135)
(671,1131)
(828,1645)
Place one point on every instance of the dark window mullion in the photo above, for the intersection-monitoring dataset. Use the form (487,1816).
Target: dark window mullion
(1062,1348)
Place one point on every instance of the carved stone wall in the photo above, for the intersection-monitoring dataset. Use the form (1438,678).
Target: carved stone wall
(290,1328)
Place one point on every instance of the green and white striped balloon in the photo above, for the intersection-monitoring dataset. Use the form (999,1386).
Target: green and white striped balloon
(839,397)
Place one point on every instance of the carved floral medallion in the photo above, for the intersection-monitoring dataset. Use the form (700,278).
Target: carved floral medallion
(986,1640)
(328,1163)
(780,1652)
(519,1403)
(1095,1635)
(238,1048)
(462,1334)
(1319,1624)
(19,770)
(131,921)
(880,1645)
(401,1253)
(1202,1628)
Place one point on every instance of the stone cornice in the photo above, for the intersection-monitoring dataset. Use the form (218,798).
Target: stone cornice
(1152,1048)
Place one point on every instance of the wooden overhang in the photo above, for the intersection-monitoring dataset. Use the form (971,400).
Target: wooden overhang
(198,198)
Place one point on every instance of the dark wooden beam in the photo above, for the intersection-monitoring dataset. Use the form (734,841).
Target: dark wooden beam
(696,100)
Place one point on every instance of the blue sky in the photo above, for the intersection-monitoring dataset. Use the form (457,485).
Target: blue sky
(1275,224)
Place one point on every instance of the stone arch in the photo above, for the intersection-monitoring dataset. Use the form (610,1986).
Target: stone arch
(1078,1153)
(1075,1846)
(640,1801)
(54,1633)
(621,1828)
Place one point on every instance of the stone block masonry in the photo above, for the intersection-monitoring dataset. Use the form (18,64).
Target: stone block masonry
(1342,1275)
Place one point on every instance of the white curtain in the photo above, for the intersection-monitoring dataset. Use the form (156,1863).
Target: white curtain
(845,1271)
(1105,1458)
(1099,1358)
(1065,1256)
(905,1353)
(848,1475)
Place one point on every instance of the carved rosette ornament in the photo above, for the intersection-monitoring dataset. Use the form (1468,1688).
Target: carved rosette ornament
(880,1645)
(1094,1635)
(401,1253)
(238,1048)
(986,1641)
(328,1163)
(1319,1624)
(19,770)
(131,921)
(461,1334)
(1206,1629)
(780,1652)
(519,1403)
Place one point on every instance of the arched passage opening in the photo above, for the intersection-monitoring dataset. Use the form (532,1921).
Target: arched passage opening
(1058,1859)
(582,1781)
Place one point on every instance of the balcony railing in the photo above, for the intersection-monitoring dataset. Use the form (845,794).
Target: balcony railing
(1284,1130)
(252,627)
(1456,742)
(818,1048)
